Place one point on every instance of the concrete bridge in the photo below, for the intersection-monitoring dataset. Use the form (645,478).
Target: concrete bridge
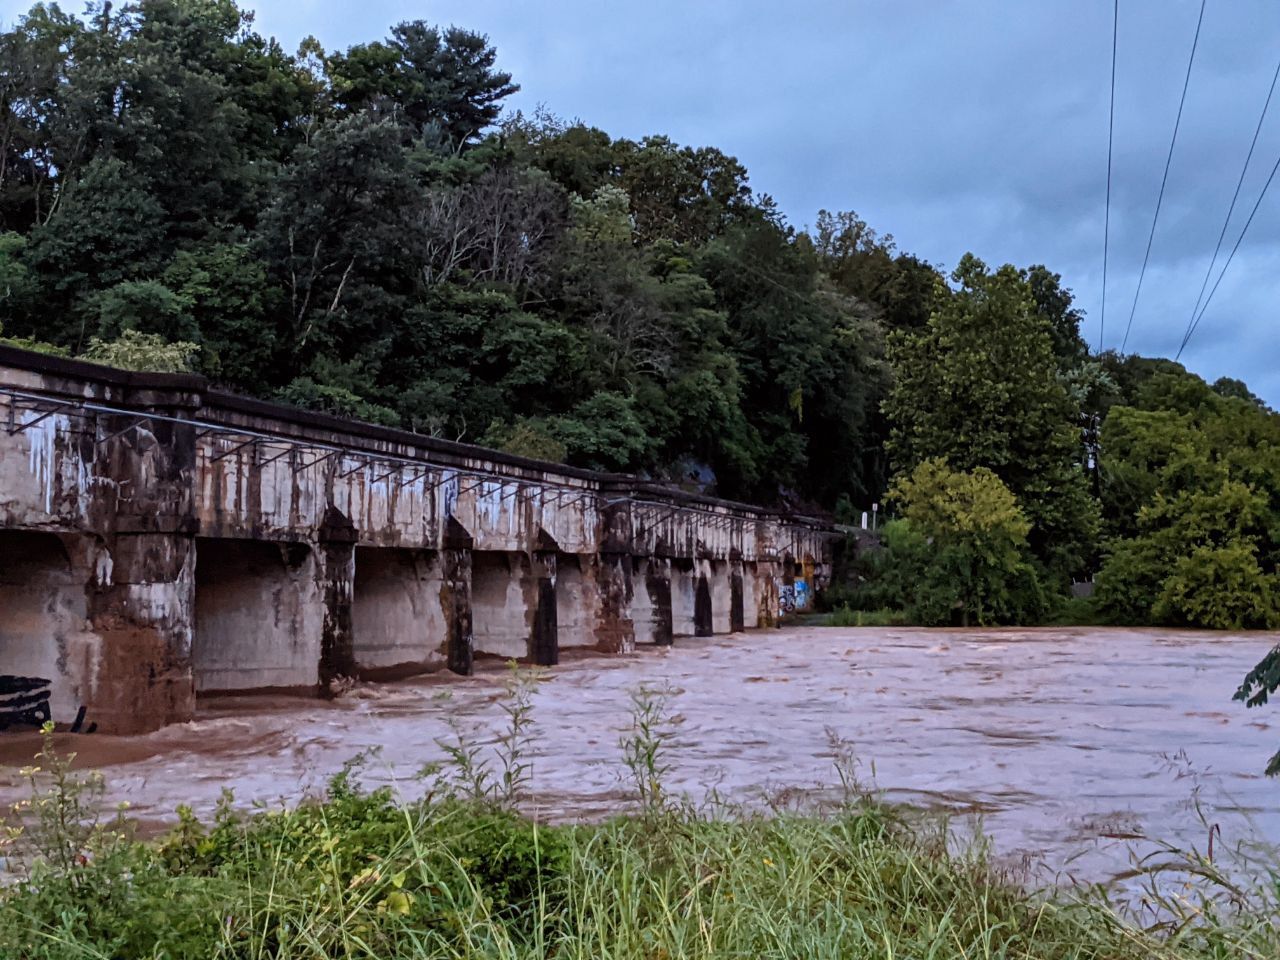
(161,540)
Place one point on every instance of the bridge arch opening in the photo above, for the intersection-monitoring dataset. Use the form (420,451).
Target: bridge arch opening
(720,593)
(499,605)
(47,651)
(398,623)
(692,603)
(651,610)
(576,599)
(258,617)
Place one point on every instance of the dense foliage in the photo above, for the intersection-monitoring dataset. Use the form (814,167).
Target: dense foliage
(960,551)
(372,233)
(366,232)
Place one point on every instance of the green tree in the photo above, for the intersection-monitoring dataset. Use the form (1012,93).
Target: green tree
(1191,490)
(442,83)
(979,386)
(968,543)
(1256,690)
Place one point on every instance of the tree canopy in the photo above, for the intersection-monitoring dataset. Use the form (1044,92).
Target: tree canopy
(374,232)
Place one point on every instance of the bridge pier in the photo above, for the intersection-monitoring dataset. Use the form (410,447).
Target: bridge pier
(737,598)
(651,600)
(455,606)
(140,605)
(335,574)
(615,628)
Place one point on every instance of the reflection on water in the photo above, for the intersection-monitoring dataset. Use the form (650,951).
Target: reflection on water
(1063,744)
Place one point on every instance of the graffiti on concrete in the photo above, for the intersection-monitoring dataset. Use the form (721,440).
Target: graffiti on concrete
(786,598)
(793,597)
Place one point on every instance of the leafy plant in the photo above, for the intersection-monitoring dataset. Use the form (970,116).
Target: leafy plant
(644,747)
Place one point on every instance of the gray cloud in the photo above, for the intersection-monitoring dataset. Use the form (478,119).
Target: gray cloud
(955,126)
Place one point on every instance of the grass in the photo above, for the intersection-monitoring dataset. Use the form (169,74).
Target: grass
(845,616)
(460,873)
(1077,612)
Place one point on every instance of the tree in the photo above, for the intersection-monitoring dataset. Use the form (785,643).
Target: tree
(979,386)
(1191,495)
(441,83)
(1256,690)
(333,237)
(968,543)
(863,264)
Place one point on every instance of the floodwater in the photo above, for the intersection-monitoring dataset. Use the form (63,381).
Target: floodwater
(1063,745)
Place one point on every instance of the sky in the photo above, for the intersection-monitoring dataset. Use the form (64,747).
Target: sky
(954,126)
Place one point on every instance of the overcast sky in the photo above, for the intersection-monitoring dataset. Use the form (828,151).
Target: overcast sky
(954,126)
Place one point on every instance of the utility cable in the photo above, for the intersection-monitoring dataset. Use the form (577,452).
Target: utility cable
(1231,257)
(1111,127)
(1165,179)
(1231,209)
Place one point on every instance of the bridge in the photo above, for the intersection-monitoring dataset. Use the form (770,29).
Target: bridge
(161,540)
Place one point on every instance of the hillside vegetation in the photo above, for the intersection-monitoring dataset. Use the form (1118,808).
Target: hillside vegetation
(371,232)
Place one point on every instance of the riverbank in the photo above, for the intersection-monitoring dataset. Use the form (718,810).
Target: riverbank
(460,874)
(1066,746)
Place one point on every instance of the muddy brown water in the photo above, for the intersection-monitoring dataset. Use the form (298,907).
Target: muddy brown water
(1063,745)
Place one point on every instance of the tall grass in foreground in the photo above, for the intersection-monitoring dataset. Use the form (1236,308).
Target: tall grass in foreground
(460,874)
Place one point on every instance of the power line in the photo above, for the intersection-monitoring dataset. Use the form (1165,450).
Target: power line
(1231,257)
(1165,179)
(1111,127)
(1231,209)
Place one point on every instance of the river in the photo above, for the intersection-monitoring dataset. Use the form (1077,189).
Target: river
(1062,744)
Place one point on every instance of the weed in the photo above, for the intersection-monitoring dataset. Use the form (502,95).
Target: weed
(470,770)
(644,746)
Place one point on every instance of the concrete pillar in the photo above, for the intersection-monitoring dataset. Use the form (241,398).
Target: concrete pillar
(140,602)
(455,603)
(703,608)
(737,618)
(651,600)
(335,574)
(615,630)
(540,595)
(767,586)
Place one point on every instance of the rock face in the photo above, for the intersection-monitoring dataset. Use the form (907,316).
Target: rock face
(160,540)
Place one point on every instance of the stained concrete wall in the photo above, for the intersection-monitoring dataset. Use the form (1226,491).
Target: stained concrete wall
(718,580)
(47,647)
(750,596)
(651,603)
(258,614)
(684,589)
(500,603)
(172,501)
(399,624)
(577,600)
